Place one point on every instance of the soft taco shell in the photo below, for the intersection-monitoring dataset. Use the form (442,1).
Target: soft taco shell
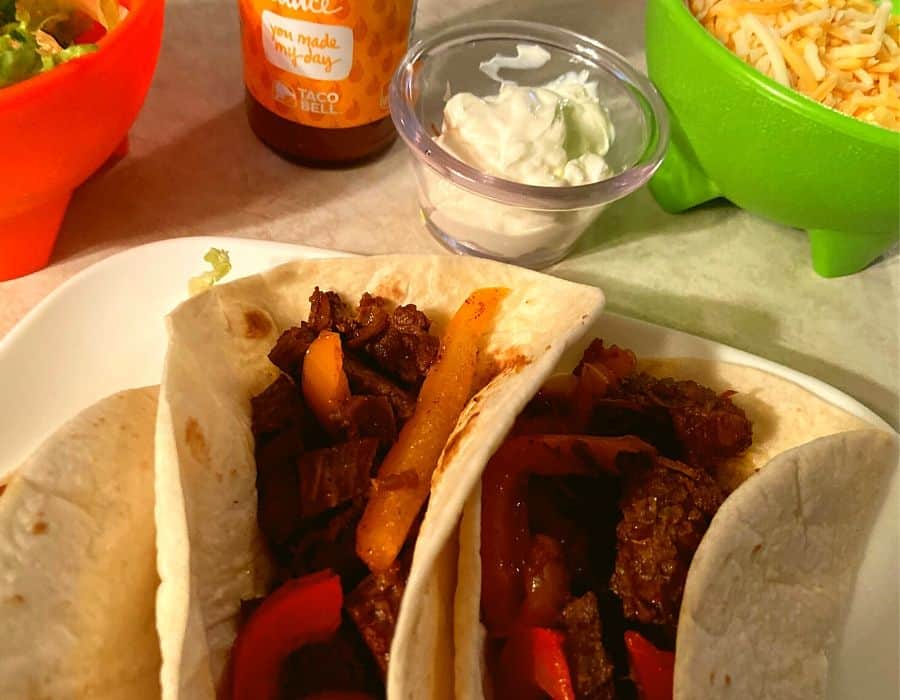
(77,556)
(211,550)
(783,415)
(772,576)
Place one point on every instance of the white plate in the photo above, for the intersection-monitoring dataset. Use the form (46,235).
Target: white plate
(103,331)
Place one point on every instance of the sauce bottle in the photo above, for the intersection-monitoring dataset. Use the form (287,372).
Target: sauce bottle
(317,74)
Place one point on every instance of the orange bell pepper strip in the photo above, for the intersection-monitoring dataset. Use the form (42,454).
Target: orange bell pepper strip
(447,388)
(302,611)
(324,382)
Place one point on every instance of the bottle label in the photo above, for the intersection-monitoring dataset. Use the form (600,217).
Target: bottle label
(324,63)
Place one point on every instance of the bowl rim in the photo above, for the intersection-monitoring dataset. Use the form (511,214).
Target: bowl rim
(786,97)
(38,84)
(423,146)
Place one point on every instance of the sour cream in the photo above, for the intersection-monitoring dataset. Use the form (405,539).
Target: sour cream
(555,134)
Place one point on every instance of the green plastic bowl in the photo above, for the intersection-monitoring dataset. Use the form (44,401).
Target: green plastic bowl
(738,134)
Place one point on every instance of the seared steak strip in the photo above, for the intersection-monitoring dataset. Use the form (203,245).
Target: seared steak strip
(334,475)
(290,349)
(592,670)
(370,416)
(280,406)
(364,380)
(666,508)
(406,349)
(709,427)
(374,606)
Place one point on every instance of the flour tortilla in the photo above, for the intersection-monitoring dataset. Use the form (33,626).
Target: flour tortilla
(211,553)
(770,580)
(783,415)
(77,556)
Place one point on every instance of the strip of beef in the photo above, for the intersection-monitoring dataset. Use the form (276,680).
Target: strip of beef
(364,380)
(278,417)
(709,427)
(342,664)
(666,507)
(592,670)
(616,362)
(281,448)
(279,406)
(406,349)
(329,542)
(373,605)
(371,320)
(278,508)
(649,422)
(335,475)
(370,417)
(290,349)
(327,312)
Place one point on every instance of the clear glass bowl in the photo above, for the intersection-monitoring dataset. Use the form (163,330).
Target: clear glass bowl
(478,214)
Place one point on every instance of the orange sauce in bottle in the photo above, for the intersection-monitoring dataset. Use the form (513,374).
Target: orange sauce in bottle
(317,74)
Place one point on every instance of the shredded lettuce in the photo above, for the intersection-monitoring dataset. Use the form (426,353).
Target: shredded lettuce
(38,35)
(221,266)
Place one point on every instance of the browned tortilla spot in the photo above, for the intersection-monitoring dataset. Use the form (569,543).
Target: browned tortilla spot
(727,679)
(256,324)
(39,528)
(390,289)
(492,364)
(196,442)
(17,598)
(757,549)
(453,444)
(2,489)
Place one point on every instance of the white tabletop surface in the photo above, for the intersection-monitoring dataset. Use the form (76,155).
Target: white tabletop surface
(196,169)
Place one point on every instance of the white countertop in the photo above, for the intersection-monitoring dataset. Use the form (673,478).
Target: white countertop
(195,168)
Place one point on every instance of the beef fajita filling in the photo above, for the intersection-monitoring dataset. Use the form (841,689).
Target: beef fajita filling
(346,440)
(592,510)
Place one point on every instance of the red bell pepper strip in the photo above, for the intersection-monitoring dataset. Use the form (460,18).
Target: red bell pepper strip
(551,670)
(302,611)
(652,669)
(504,509)
(533,663)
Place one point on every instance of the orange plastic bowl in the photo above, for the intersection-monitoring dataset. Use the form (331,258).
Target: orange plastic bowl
(58,128)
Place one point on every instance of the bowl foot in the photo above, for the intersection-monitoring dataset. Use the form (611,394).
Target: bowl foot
(27,237)
(680,183)
(835,254)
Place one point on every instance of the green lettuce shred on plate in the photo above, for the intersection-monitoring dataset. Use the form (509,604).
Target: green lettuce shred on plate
(221,266)
(38,35)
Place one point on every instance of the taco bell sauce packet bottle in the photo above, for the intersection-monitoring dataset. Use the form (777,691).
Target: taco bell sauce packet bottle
(317,74)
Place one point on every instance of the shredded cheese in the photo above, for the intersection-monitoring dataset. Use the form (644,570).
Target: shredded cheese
(844,54)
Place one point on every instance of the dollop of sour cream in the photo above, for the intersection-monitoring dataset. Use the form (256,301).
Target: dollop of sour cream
(555,134)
